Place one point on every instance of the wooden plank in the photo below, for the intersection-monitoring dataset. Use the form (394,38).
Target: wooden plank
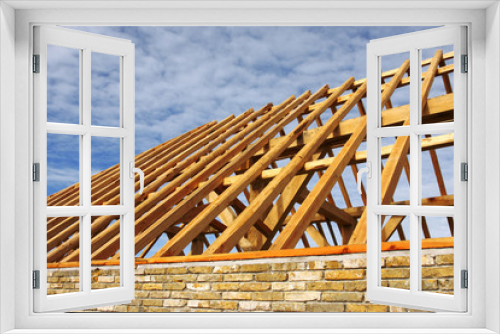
(244,221)
(329,211)
(393,166)
(250,175)
(284,204)
(148,209)
(435,243)
(276,120)
(439,109)
(318,238)
(290,235)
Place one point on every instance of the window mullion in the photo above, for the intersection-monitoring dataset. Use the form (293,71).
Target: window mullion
(415,193)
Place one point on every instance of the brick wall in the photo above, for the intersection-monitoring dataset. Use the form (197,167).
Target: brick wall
(335,283)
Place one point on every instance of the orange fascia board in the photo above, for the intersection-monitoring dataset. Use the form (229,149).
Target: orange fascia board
(433,243)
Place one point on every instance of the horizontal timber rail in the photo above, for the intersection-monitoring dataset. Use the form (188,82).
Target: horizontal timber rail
(434,243)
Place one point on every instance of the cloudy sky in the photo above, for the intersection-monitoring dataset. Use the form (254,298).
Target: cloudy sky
(188,76)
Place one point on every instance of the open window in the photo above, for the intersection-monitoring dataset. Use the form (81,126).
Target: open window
(407,141)
(70,133)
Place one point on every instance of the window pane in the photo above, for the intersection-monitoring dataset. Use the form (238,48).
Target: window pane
(106,260)
(63,170)
(105,182)
(437,169)
(438,107)
(395,269)
(63,85)
(63,276)
(400,98)
(105,89)
(438,262)
(394,180)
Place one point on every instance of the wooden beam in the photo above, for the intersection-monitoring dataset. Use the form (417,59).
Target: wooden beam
(290,235)
(439,109)
(329,211)
(393,166)
(288,114)
(247,218)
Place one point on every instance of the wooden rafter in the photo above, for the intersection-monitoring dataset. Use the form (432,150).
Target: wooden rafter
(251,181)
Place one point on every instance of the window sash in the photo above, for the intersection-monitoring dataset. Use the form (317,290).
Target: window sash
(86,43)
(412,43)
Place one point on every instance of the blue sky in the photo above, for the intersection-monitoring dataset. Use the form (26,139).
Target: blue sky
(188,76)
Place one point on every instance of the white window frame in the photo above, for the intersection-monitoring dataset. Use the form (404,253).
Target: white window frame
(412,43)
(86,44)
(482,316)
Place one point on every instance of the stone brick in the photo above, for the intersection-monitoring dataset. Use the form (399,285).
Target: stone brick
(305,275)
(429,284)
(237,295)
(257,267)
(181,278)
(198,303)
(255,286)
(324,307)
(176,270)
(349,274)
(156,309)
(284,266)
(246,306)
(267,296)
(321,286)
(226,286)
(152,302)
(157,278)
(395,273)
(288,286)
(139,271)
(134,309)
(209,278)
(303,296)
(354,263)
(182,295)
(444,259)
(271,277)
(141,294)
(438,272)
(155,271)
(288,307)
(174,286)
(342,296)
(446,284)
(208,295)
(224,304)
(226,269)
(397,261)
(238,277)
(355,286)
(400,284)
(104,279)
(316,264)
(366,308)
(428,260)
(200,270)
(198,286)
(159,294)
(174,302)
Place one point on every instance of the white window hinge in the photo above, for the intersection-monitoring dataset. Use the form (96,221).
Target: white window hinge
(36,63)
(36,279)
(464,171)
(36,172)
(464,279)
(465,64)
